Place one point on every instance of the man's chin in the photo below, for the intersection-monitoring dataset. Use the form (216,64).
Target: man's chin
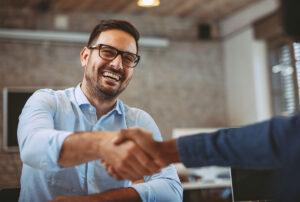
(106,93)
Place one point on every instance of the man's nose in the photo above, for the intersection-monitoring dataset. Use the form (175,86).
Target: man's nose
(117,62)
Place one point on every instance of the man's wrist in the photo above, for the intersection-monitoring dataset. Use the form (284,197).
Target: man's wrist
(100,144)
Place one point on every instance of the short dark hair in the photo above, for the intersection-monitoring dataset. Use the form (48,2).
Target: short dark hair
(114,24)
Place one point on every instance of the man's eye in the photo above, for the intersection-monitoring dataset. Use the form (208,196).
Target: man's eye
(129,58)
(108,53)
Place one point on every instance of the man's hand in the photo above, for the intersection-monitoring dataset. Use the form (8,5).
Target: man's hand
(127,160)
(163,153)
(145,141)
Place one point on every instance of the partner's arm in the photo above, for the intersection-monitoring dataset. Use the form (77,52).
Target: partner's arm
(265,144)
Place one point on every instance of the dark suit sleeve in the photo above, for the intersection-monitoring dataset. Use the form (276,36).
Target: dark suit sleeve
(268,144)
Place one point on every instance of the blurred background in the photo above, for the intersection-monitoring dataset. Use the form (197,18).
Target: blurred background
(205,63)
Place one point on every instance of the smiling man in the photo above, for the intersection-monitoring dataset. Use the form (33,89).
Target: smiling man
(65,136)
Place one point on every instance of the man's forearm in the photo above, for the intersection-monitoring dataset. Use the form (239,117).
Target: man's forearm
(80,147)
(115,195)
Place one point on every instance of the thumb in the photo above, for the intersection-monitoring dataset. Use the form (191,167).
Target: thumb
(122,137)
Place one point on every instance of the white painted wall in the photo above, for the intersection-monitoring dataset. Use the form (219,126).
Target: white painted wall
(247,83)
(246,67)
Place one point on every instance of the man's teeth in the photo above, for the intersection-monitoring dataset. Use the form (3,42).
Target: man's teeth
(112,75)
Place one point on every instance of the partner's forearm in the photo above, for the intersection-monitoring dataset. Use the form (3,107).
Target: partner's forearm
(80,147)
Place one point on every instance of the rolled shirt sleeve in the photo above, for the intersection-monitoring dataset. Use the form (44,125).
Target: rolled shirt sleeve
(39,142)
(161,187)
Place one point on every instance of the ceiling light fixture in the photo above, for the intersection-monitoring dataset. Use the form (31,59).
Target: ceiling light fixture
(148,3)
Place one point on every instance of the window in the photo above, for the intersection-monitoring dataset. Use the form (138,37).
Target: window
(14,100)
(285,77)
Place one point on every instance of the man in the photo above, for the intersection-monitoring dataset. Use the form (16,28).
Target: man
(63,135)
(272,144)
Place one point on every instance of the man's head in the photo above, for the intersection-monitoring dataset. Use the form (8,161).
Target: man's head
(109,59)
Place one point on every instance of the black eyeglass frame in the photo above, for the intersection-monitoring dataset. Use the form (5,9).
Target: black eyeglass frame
(119,52)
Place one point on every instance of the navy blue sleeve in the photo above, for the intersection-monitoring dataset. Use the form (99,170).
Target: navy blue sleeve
(267,144)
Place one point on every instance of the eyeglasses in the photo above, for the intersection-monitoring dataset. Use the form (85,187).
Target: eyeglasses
(107,52)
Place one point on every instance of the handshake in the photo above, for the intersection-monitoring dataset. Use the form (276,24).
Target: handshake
(133,153)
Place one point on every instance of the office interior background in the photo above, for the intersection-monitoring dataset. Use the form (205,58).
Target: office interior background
(205,63)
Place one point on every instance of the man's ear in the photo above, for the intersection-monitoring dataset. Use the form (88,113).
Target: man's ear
(84,56)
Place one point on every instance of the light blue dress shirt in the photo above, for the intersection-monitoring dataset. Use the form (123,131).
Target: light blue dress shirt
(48,118)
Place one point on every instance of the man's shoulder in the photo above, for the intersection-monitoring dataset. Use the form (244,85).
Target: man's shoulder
(134,111)
(55,92)
(136,116)
(53,95)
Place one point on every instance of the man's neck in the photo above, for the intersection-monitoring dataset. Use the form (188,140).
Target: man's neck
(101,104)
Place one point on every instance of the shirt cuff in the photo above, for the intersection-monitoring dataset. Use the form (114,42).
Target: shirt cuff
(191,150)
(144,191)
(55,145)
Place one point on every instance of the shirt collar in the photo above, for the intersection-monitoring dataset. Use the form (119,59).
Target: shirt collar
(82,100)
(80,96)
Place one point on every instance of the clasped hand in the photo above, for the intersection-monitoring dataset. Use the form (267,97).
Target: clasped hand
(132,154)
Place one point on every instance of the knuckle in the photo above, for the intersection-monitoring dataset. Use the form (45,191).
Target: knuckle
(122,160)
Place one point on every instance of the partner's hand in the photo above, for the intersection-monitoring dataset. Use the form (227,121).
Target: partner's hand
(128,160)
(163,153)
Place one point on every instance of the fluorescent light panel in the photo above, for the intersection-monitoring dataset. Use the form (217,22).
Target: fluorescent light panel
(70,37)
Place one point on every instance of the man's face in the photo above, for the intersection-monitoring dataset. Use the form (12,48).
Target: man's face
(103,77)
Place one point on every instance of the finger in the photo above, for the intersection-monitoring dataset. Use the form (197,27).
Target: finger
(149,166)
(136,168)
(122,137)
(126,168)
(113,173)
(129,172)
(145,165)
(138,160)
(129,133)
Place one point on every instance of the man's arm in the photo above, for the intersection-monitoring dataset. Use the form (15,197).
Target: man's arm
(130,161)
(115,195)
(82,147)
(44,147)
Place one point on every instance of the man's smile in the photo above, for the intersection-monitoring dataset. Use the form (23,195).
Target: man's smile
(111,75)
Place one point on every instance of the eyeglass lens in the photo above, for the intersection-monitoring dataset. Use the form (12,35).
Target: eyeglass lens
(111,53)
